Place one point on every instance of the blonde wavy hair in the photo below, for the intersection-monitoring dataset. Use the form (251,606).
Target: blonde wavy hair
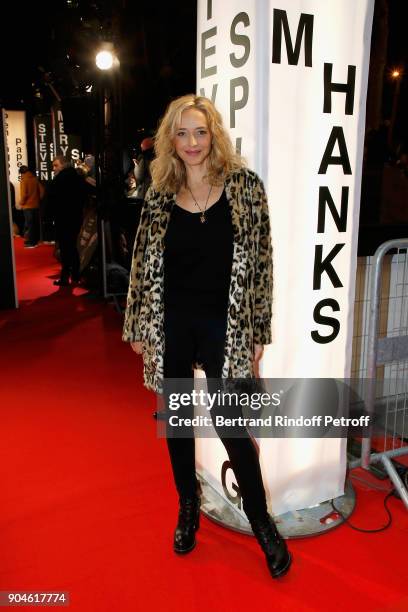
(168,170)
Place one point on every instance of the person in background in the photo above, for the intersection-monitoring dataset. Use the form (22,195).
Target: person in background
(31,193)
(67,194)
(86,169)
(89,161)
(17,214)
(141,169)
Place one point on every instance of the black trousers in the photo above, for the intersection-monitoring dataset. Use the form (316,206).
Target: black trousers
(67,241)
(190,336)
(32,225)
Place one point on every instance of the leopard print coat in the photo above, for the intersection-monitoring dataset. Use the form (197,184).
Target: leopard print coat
(250,293)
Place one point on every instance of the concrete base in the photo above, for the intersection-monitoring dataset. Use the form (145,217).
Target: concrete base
(296,524)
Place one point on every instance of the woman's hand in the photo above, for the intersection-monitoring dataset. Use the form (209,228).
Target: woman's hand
(137,347)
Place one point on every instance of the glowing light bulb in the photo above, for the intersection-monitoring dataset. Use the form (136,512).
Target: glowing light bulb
(104,60)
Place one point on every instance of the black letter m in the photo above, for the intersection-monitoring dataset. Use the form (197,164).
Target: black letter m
(280,22)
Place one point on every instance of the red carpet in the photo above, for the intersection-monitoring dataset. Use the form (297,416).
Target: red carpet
(87,501)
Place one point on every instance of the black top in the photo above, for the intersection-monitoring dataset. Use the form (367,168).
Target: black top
(198,258)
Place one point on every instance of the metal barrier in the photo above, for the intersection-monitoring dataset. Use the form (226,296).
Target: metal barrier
(386,358)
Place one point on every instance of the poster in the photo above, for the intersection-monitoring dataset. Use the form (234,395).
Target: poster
(290,80)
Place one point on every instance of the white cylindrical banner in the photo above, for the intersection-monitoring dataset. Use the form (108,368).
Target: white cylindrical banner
(68,145)
(17,147)
(44,146)
(290,79)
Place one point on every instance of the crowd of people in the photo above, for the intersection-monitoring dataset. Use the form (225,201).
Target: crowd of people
(200,230)
(193,227)
(55,212)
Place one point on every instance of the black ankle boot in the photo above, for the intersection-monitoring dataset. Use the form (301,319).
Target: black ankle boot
(273,545)
(188,523)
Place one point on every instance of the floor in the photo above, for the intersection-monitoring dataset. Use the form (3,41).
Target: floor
(87,502)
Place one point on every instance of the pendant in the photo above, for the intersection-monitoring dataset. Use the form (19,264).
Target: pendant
(202,218)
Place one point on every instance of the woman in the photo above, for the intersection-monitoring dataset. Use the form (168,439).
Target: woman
(200,289)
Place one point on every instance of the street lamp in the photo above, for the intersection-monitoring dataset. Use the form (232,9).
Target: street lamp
(105,58)
(396,76)
(107,151)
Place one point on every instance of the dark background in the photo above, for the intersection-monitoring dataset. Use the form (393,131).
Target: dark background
(156,41)
(55,42)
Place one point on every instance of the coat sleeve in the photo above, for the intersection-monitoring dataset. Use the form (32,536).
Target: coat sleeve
(263,271)
(131,332)
(23,193)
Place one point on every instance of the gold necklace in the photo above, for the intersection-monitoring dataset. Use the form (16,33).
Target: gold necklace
(202,212)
